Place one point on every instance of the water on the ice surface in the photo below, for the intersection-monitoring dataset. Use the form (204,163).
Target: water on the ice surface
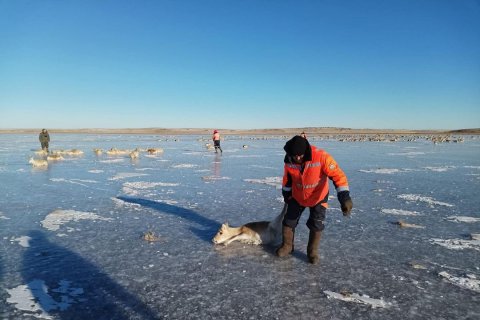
(72,245)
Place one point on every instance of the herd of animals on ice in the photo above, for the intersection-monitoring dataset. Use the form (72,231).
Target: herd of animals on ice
(270,232)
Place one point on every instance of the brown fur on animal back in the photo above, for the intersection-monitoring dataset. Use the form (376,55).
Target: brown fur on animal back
(257,226)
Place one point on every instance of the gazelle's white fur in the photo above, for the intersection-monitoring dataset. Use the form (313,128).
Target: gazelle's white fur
(259,232)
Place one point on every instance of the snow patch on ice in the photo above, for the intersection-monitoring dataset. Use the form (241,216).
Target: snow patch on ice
(148,185)
(383,181)
(166,201)
(112,160)
(144,169)
(401,212)
(469,283)
(462,219)
(3,217)
(472,167)
(381,171)
(185,166)
(24,241)
(119,176)
(58,217)
(121,203)
(195,153)
(215,178)
(35,300)
(271,181)
(415,197)
(411,153)
(203,170)
(87,181)
(439,169)
(263,167)
(130,192)
(362,299)
(457,244)
(95,171)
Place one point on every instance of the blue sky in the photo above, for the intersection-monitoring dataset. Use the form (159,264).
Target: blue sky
(240,64)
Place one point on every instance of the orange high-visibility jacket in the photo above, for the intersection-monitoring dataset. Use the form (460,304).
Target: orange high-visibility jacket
(311,186)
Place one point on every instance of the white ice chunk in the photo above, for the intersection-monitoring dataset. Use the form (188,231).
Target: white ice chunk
(462,282)
(185,166)
(147,185)
(95,171)
(401,212)
(24,241)
(462,219)
(34,298)
(59,217)
(439,169)
(354,297)
(414,197)
(381,171)
(457,244)
(112,160)
(270,181)
(121,203)
(119,176)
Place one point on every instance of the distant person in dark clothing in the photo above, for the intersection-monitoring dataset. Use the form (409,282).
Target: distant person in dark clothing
(44,138)
(303,135)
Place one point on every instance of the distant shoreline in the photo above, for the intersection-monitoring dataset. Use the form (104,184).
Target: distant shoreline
(280,131)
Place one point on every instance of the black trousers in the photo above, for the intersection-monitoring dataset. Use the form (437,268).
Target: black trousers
(316,220)
(44,145)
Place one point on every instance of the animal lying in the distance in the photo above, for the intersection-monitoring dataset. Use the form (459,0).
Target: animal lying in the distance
(38,163)
(259,232)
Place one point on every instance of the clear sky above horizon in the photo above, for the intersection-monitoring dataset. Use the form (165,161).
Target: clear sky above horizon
(240,64)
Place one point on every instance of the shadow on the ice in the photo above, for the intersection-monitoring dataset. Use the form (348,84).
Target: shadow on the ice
(77,289)
(209,226)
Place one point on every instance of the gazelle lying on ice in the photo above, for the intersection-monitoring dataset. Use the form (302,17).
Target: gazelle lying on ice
(259,232)
(38,163)
(41,152)
(54,157)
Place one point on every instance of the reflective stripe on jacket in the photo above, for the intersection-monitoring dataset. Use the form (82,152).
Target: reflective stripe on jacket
(311,186)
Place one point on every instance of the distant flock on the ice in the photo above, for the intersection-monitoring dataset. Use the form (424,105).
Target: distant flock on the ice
(56,155)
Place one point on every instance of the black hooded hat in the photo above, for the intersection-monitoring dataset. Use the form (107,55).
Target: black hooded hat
(298,146)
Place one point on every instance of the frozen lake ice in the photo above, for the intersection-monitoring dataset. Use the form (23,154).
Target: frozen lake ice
(72,245)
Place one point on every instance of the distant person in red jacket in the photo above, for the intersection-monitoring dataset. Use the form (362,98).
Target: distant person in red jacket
(305,184)
(216,141)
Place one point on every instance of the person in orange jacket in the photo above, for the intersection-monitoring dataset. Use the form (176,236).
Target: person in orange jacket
(216,141)
(305,184)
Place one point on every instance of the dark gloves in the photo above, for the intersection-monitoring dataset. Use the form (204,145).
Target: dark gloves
(346,202)
(286,195)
